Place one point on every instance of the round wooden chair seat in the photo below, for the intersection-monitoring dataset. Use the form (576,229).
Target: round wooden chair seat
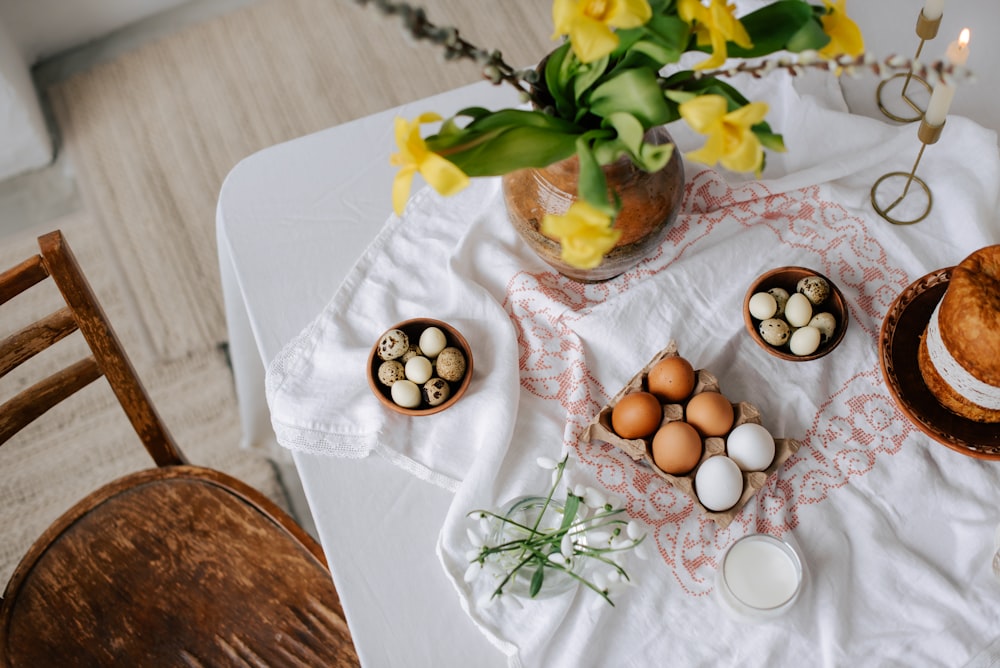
(174,566)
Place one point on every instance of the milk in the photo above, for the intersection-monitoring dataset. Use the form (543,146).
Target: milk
(760,576)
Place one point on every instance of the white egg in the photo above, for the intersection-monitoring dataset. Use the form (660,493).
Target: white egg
(762,306)
(419,370)
(804,341)
(751,446)
(432,341)
(405,393)
(718,483)
(798,310)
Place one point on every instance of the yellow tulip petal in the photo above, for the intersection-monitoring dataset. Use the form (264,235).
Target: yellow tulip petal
(703,112)
(746,156)
(443,176)
(845,36)
(592,39)
(563,14)
(629,13)
(401,189)
(584,233)
(748,115)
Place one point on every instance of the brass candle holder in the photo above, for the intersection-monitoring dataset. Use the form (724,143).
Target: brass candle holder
(928,134)
(926,29)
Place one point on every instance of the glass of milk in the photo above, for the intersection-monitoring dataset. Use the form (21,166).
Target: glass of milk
(759,577)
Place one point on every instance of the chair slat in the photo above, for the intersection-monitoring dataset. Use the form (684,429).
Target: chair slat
(31,403)
(17,279)
(33,339)
(62,265)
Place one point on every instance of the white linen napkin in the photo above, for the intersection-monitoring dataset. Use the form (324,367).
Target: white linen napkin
(550,352)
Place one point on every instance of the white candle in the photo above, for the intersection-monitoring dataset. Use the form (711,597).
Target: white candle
(933,9)
(937,108)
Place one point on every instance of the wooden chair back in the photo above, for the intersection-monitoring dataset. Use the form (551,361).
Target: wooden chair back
(84,313)
(174,565)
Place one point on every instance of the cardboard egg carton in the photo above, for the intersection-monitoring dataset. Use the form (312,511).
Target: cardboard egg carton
(640,450)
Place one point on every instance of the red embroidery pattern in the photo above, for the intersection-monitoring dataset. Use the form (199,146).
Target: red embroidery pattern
(852,428)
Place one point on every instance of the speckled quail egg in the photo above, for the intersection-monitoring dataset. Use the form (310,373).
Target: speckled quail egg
(826,324)
(780,299)
(390,371)
(815,288)
(436,391)
(762,306)
(775,331)
(432,342)
(393,344)
(451,364)
(411,352)
(419,369)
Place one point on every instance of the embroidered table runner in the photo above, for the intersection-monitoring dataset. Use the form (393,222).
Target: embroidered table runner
(895,530)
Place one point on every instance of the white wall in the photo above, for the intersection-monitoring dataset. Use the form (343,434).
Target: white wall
(42,28)
(889,27)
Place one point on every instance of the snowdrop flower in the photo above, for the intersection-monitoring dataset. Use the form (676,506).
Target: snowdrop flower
(474,538)
(547,463)
(566,546)
(593,498)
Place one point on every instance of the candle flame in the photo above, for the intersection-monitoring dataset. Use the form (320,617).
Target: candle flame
(963,38)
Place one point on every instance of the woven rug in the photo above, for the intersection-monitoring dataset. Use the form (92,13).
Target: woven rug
(87,441)
(153,134)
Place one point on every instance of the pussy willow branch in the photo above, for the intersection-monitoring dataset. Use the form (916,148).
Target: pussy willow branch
(935,72)
(455,47)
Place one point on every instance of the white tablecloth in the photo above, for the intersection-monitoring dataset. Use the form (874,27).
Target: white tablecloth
(896,530)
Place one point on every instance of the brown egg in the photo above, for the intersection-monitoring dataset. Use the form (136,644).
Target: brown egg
(710,413)
(671,379)
(636,415)
(676,447)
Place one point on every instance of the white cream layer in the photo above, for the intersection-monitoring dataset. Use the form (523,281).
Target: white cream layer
(953,373)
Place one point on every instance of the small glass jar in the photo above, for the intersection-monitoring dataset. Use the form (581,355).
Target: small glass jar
(759,577)
(524,511)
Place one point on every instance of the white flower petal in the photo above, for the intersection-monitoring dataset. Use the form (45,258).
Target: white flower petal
(557,558)
(566,545)
(472,572)
(594,498)
(641,552)
(474,538)
(579,490)
(620,543)
(471,555)
(547,462)
(600,580)
(614,501)
(599,538)
(634,530)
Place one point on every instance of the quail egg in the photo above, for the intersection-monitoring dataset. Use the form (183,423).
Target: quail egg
(390,371)
(780,299)
(826,324)
(393,344)
(815,288)
(436,391)
(451,364)
(775,331)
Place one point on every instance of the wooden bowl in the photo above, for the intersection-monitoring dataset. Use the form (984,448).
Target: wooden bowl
(788,278)
(413,328)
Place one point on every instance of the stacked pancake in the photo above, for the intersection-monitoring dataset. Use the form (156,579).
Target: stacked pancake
(959,356)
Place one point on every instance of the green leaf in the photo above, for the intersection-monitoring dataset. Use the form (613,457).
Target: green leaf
(636,92)
(592,185)
(536,581)
(587,75)
(772,27)
(570,510)
(769,140)
(809,36)
(511,149)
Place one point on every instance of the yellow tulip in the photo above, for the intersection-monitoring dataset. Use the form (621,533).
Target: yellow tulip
(845,36)
(730,139)
(584,232)
(715,24)
(590,23)
(414,156)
